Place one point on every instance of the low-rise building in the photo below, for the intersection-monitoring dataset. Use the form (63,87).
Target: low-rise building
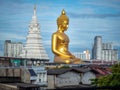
(33,75)
(41,77)
(73,77)
(63,77)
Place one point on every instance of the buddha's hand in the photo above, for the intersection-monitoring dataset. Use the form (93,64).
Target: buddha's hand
(72,56)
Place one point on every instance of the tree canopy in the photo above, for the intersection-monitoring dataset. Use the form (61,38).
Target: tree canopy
(112,79)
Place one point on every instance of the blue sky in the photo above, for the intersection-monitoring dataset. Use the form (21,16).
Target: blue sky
(88,18)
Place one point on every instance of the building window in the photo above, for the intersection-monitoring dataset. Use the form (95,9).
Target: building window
(39,80)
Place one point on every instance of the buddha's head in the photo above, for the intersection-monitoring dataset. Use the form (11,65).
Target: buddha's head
(63,21)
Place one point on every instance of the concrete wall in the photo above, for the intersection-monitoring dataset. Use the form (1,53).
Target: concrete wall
(51,82)
(67,79)
(2,72)
(25,75)
(10,72)
(87,76)
(13,72)
(7,87)
(17,72)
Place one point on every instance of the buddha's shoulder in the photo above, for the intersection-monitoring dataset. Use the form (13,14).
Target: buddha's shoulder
(56,34)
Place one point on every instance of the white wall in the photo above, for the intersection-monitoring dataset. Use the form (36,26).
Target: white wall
(87,76)
(41,75)
(67,79)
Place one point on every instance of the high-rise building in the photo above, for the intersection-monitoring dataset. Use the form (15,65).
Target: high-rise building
(85,55)
(12,49)
(34,46)
(103,51)
(97,48)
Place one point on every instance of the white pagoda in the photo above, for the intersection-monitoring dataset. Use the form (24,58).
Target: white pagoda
(34,47)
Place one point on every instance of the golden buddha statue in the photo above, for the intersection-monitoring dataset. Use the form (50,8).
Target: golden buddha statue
(60,42)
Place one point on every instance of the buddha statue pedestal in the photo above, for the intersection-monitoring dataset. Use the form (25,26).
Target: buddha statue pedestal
(60,60)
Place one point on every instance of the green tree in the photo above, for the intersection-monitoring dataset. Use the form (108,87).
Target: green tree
(109,80)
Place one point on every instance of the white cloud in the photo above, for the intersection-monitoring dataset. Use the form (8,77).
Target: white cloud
(6,36)
(116,43)
(1,53)
(103,4)
(47,43)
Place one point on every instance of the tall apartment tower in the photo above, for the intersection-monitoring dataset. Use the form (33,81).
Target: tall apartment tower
(97,48)
(108,53)
(34,46)
(103,51)
(12,49)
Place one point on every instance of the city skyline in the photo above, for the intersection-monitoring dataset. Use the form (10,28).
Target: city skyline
(88,18)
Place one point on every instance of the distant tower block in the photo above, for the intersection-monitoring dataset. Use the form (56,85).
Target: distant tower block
(97,47)
(34,46)
(12,49)
(104,51)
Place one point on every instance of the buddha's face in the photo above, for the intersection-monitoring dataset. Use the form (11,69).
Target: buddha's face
(64,25)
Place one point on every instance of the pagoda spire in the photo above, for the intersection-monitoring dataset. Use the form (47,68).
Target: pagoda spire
(34,17)
(34,47)
(34,10)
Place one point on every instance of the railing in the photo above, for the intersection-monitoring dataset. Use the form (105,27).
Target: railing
(8,87)
(9,79)
(19,86)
